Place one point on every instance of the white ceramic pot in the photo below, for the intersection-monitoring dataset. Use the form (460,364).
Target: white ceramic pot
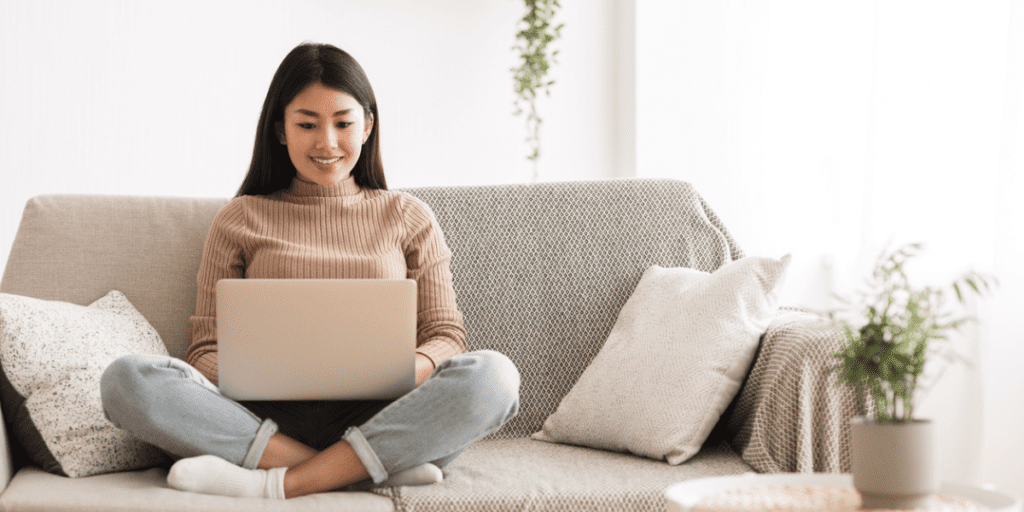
(894,464)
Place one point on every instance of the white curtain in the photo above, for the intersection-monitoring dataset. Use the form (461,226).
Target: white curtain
(828,129)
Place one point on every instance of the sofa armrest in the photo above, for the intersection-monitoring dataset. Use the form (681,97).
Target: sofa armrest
(790,415)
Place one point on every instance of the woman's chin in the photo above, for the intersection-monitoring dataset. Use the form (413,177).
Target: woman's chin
(324,179)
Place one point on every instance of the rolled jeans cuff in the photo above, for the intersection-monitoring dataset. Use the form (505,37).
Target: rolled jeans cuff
(259,445)
(366,454)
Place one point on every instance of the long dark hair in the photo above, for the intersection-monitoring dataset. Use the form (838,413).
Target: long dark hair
(271,168)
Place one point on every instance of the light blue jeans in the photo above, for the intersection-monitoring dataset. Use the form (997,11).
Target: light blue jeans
(169,404)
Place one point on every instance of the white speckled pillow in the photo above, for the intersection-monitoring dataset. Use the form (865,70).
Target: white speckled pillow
(52,355)
(673,362)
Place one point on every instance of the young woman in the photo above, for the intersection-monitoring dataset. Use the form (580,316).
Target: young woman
(315,205)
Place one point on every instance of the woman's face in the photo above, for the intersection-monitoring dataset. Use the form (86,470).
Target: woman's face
(324,130)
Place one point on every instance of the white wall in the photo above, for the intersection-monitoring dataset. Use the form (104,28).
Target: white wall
(823,129)
(162,98)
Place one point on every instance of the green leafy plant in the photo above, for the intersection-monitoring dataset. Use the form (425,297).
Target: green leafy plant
(888,331)
(535,34)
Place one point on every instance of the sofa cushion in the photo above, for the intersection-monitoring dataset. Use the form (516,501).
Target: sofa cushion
(676,358)
(33,489)
(516,474)
(53,354)
(522,474)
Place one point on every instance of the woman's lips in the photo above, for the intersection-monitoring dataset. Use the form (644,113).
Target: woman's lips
(325,161)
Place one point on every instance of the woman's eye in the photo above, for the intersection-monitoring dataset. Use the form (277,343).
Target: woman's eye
(306,126)
(344,124)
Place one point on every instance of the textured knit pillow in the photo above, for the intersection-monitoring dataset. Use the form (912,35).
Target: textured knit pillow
(52,355)
(675,358)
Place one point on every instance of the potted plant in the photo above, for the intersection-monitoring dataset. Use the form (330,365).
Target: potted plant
(889,332)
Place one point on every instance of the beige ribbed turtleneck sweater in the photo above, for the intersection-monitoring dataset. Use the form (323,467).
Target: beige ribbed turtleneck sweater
(336,232)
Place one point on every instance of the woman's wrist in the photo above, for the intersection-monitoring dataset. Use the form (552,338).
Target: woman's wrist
(424,367)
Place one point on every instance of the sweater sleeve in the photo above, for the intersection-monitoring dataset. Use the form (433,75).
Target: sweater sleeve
(222,259)
(439,333)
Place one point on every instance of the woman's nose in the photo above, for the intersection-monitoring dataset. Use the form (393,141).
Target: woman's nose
(327,138)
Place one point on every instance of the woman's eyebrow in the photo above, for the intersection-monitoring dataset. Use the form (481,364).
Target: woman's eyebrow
(314,114)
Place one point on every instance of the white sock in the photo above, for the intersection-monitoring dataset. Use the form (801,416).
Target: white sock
(209,474)
(424,474)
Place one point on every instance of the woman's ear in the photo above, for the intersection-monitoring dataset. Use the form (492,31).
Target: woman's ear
(369,128)
(279,128)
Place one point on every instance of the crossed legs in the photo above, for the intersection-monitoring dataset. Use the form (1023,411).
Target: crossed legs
(166,403)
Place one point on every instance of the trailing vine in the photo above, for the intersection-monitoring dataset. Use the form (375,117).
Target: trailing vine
(535,34)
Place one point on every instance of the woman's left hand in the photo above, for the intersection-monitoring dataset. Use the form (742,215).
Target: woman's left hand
(424,367)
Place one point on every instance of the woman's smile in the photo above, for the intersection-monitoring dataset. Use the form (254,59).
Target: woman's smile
(325,161)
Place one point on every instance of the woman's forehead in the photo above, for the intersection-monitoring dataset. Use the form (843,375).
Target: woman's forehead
(319,100)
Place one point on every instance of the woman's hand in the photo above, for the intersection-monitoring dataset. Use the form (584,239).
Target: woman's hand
(424,367)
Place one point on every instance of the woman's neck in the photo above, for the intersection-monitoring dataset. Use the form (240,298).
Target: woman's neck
(343,188)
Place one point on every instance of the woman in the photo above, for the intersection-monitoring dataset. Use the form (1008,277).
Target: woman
(315,205)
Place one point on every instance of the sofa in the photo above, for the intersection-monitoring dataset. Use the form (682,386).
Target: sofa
(540,272)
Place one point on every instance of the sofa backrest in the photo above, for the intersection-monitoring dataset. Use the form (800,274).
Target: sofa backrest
(76,248)
(540,271)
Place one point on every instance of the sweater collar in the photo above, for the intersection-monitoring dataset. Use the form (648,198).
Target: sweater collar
(345,188)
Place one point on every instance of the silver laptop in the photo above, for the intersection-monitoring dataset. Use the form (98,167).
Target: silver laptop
(316,339)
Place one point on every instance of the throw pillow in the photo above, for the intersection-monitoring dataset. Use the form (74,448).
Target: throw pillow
(52,356)
(672,363)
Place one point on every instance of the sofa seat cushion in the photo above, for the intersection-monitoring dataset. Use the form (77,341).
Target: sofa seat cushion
(524,474)
(33,489)
(511,474)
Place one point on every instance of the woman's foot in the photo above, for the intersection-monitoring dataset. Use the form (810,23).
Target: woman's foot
(209,474)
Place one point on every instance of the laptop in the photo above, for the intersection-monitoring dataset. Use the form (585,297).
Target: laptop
(316,339)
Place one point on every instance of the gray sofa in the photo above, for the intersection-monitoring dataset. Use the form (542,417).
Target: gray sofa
(540,272)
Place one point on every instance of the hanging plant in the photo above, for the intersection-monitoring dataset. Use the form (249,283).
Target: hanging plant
(535,34)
